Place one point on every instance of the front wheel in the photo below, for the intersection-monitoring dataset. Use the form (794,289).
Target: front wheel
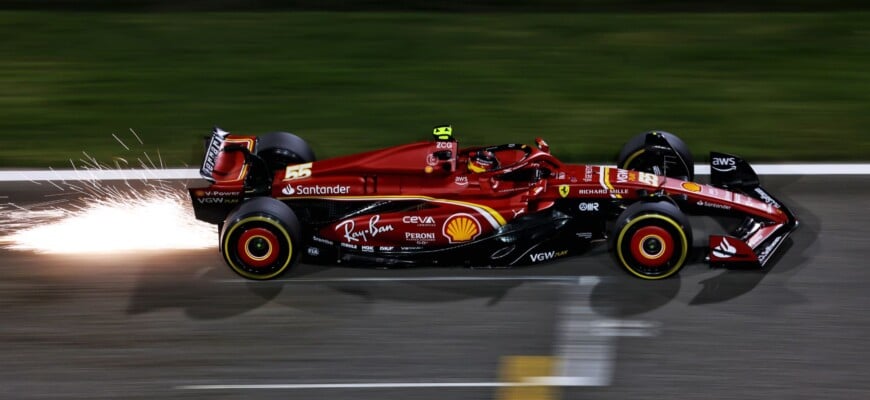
(259,240)
(652,240)
(667,156)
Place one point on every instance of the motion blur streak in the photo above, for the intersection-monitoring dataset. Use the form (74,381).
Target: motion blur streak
(125,222)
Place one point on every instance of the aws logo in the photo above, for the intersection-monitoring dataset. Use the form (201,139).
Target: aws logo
(724,164)
(461,228)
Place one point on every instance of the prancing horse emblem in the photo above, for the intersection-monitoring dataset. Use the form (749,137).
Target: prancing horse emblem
(564,190)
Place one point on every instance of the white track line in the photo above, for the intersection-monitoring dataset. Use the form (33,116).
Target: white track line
(98,175)
(800,169)
(363,385)
(179,173)
(584,348)
(581,353)
(579,290)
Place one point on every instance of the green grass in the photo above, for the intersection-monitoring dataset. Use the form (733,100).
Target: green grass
(767,86)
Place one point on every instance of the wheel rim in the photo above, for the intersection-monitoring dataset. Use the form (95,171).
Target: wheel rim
(652,246)
(258,247)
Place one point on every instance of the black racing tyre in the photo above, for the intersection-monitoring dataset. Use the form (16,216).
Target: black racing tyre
(280,149)
(652,240)
(260,239)
(634,155)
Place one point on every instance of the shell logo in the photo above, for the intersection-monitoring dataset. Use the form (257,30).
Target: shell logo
(691,186)
(461,228)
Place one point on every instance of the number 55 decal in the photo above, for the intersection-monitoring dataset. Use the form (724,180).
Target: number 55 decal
(297,171)
(649,179)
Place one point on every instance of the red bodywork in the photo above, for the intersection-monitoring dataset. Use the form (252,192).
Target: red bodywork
(448,204)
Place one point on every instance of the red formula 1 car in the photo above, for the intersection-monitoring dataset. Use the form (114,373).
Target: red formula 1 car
(434,203)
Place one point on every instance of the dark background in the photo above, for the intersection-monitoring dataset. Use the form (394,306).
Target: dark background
(444,5)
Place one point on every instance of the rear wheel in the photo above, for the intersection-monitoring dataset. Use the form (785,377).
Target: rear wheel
(677,163)
(259,240)
(652,240)
(280,149)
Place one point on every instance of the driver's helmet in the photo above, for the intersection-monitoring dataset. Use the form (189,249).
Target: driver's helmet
(481,161)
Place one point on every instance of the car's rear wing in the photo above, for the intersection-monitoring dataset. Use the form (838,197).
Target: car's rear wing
(226,157)
(213,147)
(756,240)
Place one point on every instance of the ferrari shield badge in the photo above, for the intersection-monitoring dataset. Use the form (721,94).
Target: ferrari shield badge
(563,190)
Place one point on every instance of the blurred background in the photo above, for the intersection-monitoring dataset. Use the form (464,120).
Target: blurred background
(771,80)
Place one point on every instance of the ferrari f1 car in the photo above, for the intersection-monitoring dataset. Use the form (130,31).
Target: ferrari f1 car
(434,203)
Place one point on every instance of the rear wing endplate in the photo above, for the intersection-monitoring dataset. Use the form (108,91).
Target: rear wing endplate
(213,147)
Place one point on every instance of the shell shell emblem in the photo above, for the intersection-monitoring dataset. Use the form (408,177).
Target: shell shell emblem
(691,186)
(461,228)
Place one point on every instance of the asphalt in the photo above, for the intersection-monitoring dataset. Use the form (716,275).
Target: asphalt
(180,324)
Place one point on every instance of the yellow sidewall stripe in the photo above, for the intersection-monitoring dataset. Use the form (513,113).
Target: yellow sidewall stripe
(632,157)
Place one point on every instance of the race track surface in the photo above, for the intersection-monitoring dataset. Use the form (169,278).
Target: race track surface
(181,325)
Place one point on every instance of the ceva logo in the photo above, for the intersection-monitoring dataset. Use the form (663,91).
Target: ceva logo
(419,220)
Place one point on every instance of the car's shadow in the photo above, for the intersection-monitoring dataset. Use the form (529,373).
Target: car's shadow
(215,292)
(793,255)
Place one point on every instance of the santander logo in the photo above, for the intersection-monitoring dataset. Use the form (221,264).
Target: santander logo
(724,249)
